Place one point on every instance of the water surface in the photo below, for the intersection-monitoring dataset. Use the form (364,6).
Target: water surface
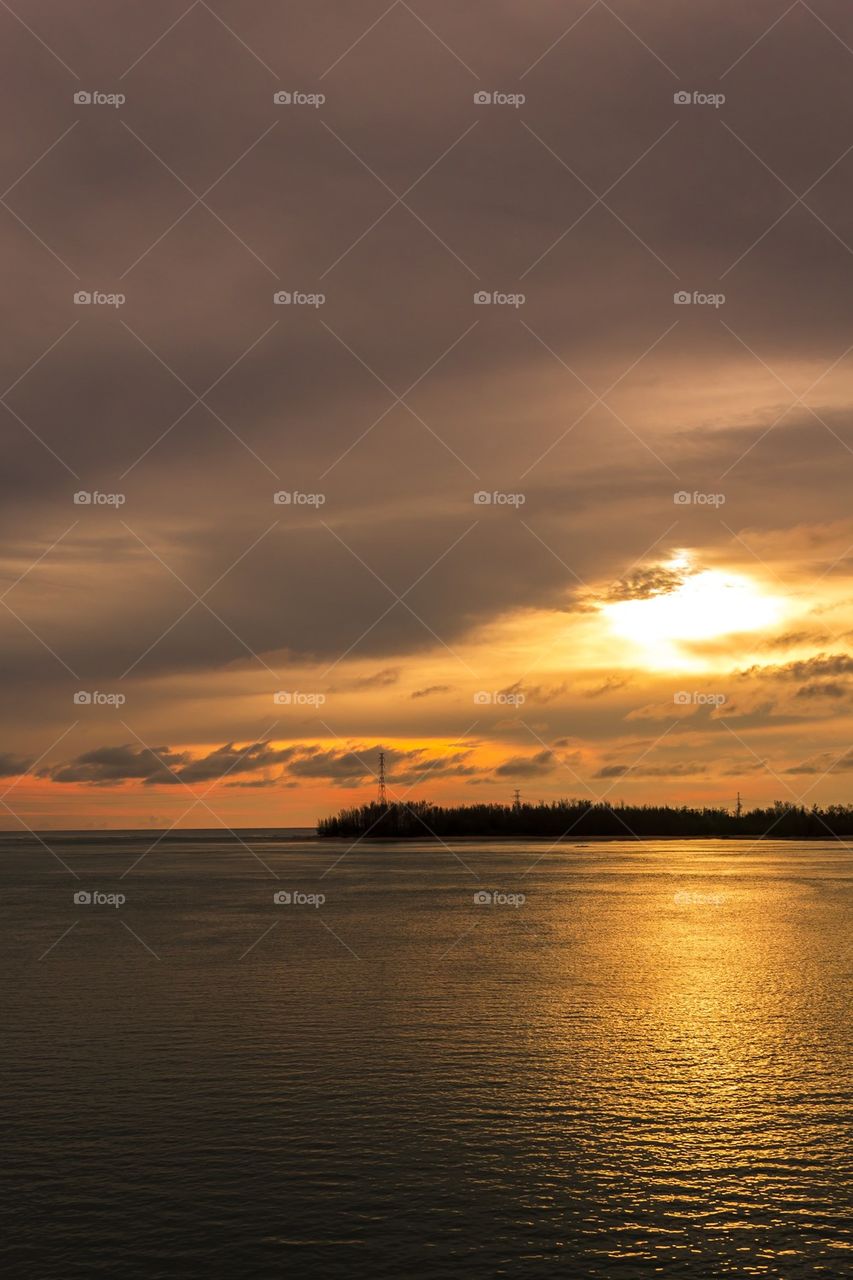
(641,1069)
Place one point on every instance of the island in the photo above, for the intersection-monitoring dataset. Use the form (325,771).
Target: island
(579,819)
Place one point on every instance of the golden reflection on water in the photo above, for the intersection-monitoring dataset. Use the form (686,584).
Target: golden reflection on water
(641,1069)
(686,1041)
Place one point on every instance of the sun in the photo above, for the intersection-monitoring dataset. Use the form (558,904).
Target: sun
(706,605)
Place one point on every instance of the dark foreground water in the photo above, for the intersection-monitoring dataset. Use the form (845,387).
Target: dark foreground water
(640,1070)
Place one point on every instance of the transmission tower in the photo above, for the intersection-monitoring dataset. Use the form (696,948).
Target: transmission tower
(517,799)
(383,798)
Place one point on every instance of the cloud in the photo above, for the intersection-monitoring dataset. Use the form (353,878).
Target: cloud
(678,769)
(379,680)
(535,766)
(230,759)
(610,685)
(259,784)
(822,664)
(795,639)
(825,763)
(162,765)
(829,689)
(360,766)
(281,766)
(119,764)
(642,584)
(540,694)
(398,565)
(342,768)
(12,766)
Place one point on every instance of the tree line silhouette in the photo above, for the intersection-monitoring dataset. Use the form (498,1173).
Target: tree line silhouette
(574,819)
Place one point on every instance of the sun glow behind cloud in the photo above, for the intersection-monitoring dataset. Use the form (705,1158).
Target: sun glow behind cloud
(707,605)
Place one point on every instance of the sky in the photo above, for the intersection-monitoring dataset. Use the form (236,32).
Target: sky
(471,382)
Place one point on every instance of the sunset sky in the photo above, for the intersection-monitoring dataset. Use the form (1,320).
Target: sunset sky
(654,603)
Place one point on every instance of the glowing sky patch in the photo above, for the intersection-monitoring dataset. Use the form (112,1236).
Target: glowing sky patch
(708,605)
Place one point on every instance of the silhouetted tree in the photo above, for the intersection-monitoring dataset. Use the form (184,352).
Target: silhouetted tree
(575,819)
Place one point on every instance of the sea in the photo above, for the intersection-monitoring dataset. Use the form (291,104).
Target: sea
(262,1054)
